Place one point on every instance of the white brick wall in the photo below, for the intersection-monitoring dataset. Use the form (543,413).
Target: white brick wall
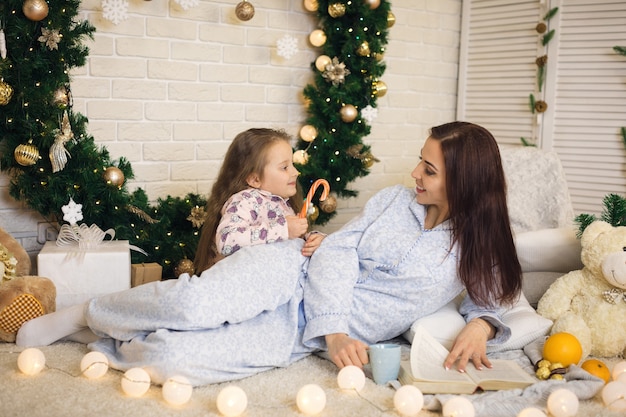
(169,88)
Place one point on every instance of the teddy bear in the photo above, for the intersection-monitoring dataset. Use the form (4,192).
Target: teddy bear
(590,303)
(22,296)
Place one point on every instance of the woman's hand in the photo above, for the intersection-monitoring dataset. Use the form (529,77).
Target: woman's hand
(296,226)
(313,241)
(471,344)
(344,350)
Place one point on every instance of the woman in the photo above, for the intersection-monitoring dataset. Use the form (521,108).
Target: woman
(412,251)
(409,253)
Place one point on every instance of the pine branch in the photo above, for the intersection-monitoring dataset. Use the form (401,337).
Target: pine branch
(583,220)
(614,211)
(620,49)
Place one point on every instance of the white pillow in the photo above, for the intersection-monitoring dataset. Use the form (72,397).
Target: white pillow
(446,323)
(549,250)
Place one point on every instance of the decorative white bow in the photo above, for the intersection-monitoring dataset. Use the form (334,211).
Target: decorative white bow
(87,237)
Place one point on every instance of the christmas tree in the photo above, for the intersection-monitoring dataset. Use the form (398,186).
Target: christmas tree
(341,102)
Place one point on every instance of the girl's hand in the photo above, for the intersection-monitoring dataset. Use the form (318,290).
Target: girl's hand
(344,350)
(471,344)
(296,226)
(313,241)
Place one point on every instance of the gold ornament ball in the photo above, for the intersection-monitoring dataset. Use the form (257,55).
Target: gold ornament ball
(61,98)
(300,157)
(373,4)
(308,133)
(114,176)
(368,160)
(329,205)
(336,9)
(348,113)
(184,266)
(391,19)
(244,11)
(317,37)
(379,88)
(26,154)
(321,62)
(6,92)
(35,10)
(313,213)
(311,5)
(363,49)
(378,56)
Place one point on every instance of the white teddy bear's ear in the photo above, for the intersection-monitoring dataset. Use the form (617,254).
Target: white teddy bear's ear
(593,231)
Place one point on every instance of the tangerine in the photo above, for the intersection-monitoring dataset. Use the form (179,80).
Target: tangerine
(597,368)
(563,348)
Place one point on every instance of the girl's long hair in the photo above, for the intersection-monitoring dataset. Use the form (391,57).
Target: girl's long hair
(246,155)
(476,189)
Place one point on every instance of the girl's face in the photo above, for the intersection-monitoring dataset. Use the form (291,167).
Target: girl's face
(279,176)
(430,176)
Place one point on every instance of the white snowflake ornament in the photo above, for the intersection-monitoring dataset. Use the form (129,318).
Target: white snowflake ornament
(187,4)
(287,46)
(72,212)
(115,10)
(369,113)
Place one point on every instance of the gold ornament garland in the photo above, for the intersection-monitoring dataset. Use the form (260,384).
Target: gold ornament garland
(539,106)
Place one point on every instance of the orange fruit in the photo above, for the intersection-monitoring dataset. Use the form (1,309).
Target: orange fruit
(597,368)
(563,348)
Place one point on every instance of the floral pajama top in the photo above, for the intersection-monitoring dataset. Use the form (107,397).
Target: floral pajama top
(252,217)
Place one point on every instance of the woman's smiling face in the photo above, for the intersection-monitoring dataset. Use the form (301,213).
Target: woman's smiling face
(430,176)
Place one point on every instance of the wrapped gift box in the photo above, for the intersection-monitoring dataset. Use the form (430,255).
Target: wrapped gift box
(82,274)
(145,272)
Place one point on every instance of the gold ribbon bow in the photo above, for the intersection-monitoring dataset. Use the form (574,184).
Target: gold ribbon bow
(613,295)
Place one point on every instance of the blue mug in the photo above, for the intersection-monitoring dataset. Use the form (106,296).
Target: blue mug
(385,362)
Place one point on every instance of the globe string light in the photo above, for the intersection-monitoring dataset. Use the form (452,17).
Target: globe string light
(562,403)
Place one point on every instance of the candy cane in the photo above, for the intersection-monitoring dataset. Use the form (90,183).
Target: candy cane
(311,193)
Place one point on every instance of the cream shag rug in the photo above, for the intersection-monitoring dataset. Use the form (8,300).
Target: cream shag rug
(60,390)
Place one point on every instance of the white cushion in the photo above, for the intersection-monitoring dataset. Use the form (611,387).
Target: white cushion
(538,197)
(446,323)
(549,250)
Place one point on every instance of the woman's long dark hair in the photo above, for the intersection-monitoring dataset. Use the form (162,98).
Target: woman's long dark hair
(246,155)
(476,189)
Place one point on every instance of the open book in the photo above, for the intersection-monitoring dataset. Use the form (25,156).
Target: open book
(425,370)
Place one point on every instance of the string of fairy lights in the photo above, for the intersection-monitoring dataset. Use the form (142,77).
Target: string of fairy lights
(408,400)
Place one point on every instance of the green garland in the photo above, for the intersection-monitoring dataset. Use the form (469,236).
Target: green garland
(356,37)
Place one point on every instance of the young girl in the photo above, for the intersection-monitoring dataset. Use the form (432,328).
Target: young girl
(254,199)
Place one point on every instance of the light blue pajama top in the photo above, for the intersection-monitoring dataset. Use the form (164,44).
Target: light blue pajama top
(372,279)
